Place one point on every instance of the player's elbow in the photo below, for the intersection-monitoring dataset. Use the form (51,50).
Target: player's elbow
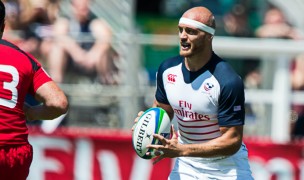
(234,146)
(63,106)
(232,139)
(59,107)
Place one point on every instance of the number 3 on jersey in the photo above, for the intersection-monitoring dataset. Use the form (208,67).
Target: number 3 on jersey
(10,86)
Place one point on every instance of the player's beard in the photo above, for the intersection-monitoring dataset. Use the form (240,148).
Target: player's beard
(186,52)
(196,47)
(192,51)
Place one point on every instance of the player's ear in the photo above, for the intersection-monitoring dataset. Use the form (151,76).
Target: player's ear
(210,37)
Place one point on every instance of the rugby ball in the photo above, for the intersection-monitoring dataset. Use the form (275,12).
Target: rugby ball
(152,121)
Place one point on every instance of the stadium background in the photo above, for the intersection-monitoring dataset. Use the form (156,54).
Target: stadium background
(94,139)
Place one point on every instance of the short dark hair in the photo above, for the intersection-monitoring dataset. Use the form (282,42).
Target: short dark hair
(2,12)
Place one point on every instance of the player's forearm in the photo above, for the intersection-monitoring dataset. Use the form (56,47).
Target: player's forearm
(42,112)
(210,149)
(227,144)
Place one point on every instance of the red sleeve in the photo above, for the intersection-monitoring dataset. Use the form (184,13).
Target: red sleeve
(40,77)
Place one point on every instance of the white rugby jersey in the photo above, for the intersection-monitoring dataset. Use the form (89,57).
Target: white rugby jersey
(203,100)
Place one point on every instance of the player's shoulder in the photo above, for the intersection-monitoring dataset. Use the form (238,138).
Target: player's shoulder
(223,71)
(15,52)
(6,43)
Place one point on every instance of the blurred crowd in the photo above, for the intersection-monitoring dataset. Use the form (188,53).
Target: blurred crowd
(72,43)
(274,24)
(69,40)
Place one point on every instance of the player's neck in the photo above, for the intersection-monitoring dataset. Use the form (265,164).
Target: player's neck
(194,63)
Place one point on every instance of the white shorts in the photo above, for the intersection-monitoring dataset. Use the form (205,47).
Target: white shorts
(235,167)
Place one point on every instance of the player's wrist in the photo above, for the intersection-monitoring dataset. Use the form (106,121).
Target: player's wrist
(183,150)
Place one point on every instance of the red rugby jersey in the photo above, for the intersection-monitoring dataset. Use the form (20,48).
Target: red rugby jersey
(20,74)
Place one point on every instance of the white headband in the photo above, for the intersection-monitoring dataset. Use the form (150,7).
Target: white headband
(197,24)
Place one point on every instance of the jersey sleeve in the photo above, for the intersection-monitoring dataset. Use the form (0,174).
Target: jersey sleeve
(160,94)
(40,77)
(231,110)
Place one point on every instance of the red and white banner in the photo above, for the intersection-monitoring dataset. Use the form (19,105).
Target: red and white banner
(102,154)
(271,161)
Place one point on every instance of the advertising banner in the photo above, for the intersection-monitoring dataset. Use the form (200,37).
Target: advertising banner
(102,154)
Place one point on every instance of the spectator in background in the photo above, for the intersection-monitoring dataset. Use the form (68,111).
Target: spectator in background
(275,25)
(12,24)
(95,58)
(28,24)
(14,31)
(236,22)
(297,73)
(38,13)
(36,19)
(297,84)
